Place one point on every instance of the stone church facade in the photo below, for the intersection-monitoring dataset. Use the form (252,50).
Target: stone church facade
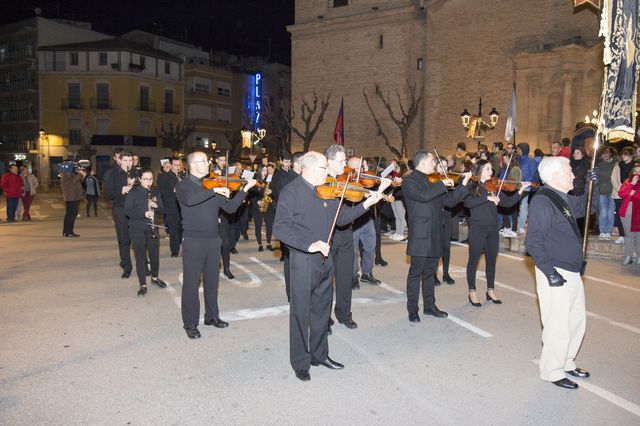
(454,51)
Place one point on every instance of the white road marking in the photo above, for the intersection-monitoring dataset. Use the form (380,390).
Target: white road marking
(391,289)
(600,280)
(469,326)
(606,395)
(269,268)
(255,280)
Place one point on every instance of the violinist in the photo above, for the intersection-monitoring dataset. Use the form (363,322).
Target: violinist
(202,241)
(303,222)
(227,233)
(509,215)
(483,227)
(142,207)
(424,201)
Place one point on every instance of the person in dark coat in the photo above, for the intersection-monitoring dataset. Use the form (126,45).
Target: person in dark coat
(424,201)
(166,184)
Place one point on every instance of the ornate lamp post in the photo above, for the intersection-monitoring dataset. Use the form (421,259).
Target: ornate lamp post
(475,125)
(250,139)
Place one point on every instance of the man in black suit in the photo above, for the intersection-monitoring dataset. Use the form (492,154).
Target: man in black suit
(167,184)
(424,201)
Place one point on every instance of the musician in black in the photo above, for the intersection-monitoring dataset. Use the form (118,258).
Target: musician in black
(303,222)
(117,185)
(143,206)
(424,201)
(167,184)
(227,231)
(202,241)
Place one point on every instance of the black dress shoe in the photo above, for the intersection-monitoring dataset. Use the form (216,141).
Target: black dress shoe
(566,383)
(142,290)
(260,248)
(72,235)
(578,372)
(245,237)
(476,304)
(175,254)
(303,375)
(447,279)
(227,273)
(233,251)
(355,283)
(381,262)
(270,247)
(158,282)
(349,323)
(193,332)
(216,322)
(436,281)
(329,363)
(414,317)
(496,301)
(434,311)
(369,278)
(125,274)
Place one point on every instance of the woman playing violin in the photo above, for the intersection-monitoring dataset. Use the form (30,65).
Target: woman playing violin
(483,227)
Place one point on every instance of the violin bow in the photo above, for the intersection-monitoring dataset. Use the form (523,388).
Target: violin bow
(359,169)
(444,169)
(506,173)
(335,219)
(226,173)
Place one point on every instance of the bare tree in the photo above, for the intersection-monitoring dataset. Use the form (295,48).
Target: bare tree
(173,136)
(403,120)
(307,111)
(274,121)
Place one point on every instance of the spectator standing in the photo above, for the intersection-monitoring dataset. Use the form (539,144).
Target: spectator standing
(529,169)
(607,207)
(71,184)
(30,185)
(92,192)
(13,188)
(620,172)
(630,214)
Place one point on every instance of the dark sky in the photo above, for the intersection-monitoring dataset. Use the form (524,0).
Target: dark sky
(247,27)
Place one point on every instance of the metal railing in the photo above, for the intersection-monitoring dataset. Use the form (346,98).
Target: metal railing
(101,104)
(71,104)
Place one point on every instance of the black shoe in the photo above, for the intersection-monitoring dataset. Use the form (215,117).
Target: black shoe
(447,279)
(270,247)
(142,290)
(233,251)
(216,322)
(349,323)
(260,248)
(578,372)
(227,273)
(245,237)
(434,311)
(381,262)
(566,383)
(414,317)
(369,278)
(175,254)
(496,301)
(303,375)
(158,282)
(193,332)
(125,274)
(355,283)
(476,304)
(329,363)
(436,281)
(464,241)
(72,235)
(281,258)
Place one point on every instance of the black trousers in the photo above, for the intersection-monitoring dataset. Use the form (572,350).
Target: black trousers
(447,235)
(92,200)
(342,253)
(200,257)
(421,271)
(243,220)
(227,239)
(269,217)
(287,270)
(617,222)
(257,221)
(144,244)
(377,224)
(70,214)
(173,221)
(122,234)
(482,238)
(310,308)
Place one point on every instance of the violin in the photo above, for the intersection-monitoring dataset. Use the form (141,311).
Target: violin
(214,180)
(508,185)
(355,193)
(437,177)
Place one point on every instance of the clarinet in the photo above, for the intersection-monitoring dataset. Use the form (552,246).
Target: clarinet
(152,224)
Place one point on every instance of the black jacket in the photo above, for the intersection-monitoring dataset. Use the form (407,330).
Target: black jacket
(484,212)
(113,184)
(136,206)
(166,184)
(200,208)
(280,180)
(424,202)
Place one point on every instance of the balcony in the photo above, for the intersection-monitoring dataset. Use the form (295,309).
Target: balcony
(17,115)
(171,109)
(101,104)
(71,104)
(17,146)
(147,106)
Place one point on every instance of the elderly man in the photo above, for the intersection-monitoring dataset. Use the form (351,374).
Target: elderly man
(553,240)
(303,222)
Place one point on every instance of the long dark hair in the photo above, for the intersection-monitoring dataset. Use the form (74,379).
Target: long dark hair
(476,172)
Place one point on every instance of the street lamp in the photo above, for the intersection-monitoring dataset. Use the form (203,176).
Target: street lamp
(251,138)
(594,120)
(475,125)
(44,137)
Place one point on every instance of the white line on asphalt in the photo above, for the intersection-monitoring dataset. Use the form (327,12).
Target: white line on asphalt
(391,289)
(626,287)
(606,395)
(469,326)
(255,280)
(269,268)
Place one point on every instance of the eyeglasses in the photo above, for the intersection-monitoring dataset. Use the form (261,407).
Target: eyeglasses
(199,161)
(322,167)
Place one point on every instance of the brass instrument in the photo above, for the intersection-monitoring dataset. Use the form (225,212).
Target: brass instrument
(266,200)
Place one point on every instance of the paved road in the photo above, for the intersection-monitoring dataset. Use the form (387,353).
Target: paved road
(78,346)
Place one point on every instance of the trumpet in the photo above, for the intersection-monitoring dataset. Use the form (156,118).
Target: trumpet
(266,200)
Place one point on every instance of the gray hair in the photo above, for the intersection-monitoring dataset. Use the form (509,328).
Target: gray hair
(418,157)
(310,159)
(550,166)
(331,152)
(192,157)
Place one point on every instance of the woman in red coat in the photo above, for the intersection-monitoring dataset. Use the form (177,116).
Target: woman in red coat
(630,214)
(13,188)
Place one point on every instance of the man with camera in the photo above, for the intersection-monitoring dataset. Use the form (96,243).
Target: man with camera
(71,183)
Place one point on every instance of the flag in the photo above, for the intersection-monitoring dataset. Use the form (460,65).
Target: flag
(338,132)
(510,130)
(619,26)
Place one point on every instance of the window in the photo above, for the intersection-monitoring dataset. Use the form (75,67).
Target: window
(145,128)
(167,67)
(73,59)
(201,87)
(102,58)
(144,99)
(73,90)
(198,112)
(102,91)
(420,64)
(224,89)
(380,41)
(168,102)
(102,126)
(75,135)
(143,62)
(340,3)
(224,115)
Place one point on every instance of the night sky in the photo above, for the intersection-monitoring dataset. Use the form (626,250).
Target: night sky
(242,27)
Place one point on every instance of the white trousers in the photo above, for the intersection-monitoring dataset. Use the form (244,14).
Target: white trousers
(564,319)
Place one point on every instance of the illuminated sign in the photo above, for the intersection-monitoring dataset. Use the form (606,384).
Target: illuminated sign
(257,93)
